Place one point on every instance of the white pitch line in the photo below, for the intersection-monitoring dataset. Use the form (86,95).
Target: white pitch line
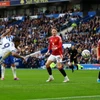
(65,98)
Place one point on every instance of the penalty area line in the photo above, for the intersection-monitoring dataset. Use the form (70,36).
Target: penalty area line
(65,98)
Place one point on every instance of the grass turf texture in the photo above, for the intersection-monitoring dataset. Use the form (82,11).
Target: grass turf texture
(32,85)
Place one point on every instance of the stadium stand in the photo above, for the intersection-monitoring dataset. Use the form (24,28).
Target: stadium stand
(35,30)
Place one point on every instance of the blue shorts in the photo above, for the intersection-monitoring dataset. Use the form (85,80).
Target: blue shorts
(9,60)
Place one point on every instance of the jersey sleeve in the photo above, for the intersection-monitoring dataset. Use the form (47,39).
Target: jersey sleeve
(49,47)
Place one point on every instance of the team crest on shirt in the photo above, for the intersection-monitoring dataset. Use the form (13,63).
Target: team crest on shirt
(55,40)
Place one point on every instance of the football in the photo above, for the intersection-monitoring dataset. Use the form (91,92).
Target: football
(86,53)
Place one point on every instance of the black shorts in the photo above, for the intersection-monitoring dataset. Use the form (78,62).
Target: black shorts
(73,60)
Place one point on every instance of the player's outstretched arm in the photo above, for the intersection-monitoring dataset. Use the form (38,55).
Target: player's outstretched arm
(4,34)
(7,32)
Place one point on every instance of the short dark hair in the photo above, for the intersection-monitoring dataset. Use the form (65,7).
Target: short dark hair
(16,39)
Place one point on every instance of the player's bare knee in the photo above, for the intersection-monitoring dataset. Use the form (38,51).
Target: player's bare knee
(60,67)
(47,65)
(4,65)
(13,65)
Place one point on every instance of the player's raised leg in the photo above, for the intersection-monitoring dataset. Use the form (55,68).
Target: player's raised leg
(98,58)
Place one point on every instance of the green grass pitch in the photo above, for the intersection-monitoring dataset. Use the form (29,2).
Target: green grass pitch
(32,85)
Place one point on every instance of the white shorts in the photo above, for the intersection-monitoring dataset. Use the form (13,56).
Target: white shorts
(55,58)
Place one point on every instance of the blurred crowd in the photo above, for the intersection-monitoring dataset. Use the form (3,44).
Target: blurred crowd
(34,35)
(4,0)
(85,36)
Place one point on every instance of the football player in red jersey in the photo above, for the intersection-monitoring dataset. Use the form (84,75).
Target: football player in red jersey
(98,50)
(55,46)
(98,58)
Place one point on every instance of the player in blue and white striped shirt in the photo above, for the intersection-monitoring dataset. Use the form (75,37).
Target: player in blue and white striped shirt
(10,59)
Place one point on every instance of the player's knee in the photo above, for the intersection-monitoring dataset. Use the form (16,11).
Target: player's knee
(13,65)
(60,67)
(4,65)
(47,65)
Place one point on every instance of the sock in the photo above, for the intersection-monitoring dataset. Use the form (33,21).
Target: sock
(99,75)
(62,72)
(14,71)
(2,72)
(49,70)
(72,67)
